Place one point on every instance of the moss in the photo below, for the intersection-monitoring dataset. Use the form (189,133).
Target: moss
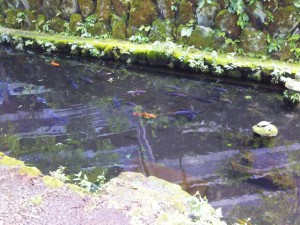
(100,28)
(8,161)
(284,22)
(87,8)
(118,27)
(142,12)
(40,21)
(57,25)
(185,12)
(29,171)
(11,18)
(103,10)
(30,19)
(227,22)
(74,19)
(140,55)
(161,30)
(157,57)
(254,41)
(121,7)
(2,21)
(35,5)
(202,37)
(52,182)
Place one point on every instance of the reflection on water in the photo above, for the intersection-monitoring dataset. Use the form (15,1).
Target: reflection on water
(91,115)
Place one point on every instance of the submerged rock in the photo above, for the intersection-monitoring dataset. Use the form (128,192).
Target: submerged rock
(265,129)
(276,177)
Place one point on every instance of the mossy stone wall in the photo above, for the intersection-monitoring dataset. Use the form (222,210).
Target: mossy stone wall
(165,20)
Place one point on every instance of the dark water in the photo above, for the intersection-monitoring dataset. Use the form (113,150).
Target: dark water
(52,116)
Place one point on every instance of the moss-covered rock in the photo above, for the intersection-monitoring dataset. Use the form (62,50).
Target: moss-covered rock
(253,40)
(227,22)
(29,171)
(142,12)
(8,161)
(51,7)
(118,27)
(30,20)
(161,31)
(185,12)
(179,38)
(103,10)
(285,3)
(121,7)
(157,58)
(223,3)
(270,5)
(165,9)
(35,5)
(68,7)
(74,19)
(57,25)
(257,15)
(52,182)
(100,28)
(87,7)
(3,8)
(206,15)
(40,21)
(202,37)
(2,21)
(284,53)
(11,18)
(286,19)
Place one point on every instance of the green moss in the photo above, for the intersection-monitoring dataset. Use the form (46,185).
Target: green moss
(29,171)
(157,57)
(11,18)
(202,37)
(74,19)
(185,12)
(142,12)
(87,8)
(118,27)
(40,21)
(30,19)
(161,30)
(8,161)
(100,28)
(35,4)
(57,25)
(121,7)
(103,11)
(52,182)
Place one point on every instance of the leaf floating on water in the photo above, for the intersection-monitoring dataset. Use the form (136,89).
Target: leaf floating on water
(53,63)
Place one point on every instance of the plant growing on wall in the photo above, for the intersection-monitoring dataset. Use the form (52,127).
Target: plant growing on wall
(238,7)
(274,44)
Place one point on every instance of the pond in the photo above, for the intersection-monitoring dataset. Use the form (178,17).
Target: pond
(94,116)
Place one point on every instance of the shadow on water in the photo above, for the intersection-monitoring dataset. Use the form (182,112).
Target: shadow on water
(93,116)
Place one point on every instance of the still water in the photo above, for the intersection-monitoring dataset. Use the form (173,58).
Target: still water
(90,115)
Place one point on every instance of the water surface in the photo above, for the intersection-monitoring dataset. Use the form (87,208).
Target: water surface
(81,115)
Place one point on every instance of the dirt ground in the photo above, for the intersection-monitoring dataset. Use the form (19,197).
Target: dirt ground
(29,201)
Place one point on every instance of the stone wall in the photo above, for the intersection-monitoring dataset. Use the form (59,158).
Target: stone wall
(255,28)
